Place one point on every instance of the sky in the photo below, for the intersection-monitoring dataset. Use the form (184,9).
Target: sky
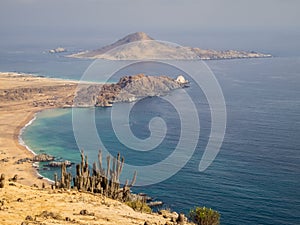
(25,20)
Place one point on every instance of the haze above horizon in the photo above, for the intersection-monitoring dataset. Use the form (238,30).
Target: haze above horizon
(26,21)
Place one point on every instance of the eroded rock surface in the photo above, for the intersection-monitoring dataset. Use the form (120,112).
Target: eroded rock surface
(128,89)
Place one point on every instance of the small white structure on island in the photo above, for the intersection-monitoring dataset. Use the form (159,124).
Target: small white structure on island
(180,79)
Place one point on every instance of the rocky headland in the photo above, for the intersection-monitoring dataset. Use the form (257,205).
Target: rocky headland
(128,89)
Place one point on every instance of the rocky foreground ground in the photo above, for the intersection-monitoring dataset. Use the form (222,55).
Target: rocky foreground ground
(24,205)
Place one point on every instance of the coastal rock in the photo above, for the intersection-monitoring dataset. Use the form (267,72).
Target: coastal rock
(128,89)
(57,50)
(168,214)
(139,46)
(155,203)
(58,164)
(140,86)
(43,158)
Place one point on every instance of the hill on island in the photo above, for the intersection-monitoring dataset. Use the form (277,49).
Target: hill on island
(140,46)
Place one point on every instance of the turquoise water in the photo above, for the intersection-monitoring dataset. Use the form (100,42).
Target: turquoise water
(255,179)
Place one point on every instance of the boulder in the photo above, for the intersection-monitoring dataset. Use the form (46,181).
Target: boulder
(58,164)
(43,158)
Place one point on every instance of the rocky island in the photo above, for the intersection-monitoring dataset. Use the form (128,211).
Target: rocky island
(140,46)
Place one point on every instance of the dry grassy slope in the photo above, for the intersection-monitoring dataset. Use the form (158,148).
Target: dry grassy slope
(21,201)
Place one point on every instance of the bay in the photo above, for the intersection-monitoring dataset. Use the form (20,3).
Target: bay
(255,177)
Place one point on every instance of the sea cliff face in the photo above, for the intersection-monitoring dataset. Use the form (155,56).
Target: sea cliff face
(128,89)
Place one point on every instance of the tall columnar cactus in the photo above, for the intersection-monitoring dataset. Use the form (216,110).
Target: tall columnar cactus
(2,180)
(100,180)
(101,170)
(66,178)
(55,181)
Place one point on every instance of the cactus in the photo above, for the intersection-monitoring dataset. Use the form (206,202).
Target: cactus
(63,175)
(2,180)
(100,163)
(133,179)
(55,181)
(95,169)
(100,180)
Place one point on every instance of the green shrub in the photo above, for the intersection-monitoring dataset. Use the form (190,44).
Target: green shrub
(204,216)
(139,206)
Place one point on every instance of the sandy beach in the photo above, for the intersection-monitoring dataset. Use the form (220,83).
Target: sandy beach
(21,97)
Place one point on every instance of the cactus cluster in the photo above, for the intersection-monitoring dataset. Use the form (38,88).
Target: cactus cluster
(98,180)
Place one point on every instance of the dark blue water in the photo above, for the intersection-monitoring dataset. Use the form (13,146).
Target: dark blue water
(255,178)
(37,61)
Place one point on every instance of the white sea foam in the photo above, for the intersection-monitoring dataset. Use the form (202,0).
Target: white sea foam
(21,141)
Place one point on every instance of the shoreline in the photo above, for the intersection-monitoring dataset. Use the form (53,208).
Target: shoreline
(17,111)
(20,139)
(35,165)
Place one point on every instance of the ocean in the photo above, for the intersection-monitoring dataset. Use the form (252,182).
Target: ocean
(255,177)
